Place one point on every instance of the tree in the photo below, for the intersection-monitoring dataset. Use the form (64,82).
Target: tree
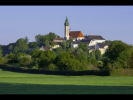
(63,43)
(51,36)
(124,58)
(62,59)
(19,42)
(47,43)
(92,61)
(10,47)
(36,48)
(81,52)
(22,44)
(53,44)
(73,64)
(59,50)
(82,58)
(98,55)
(32,44)
(25,62)
(26,40)
(83,46)
(131,62)
(115,49)
(16,49)
(1,53)
(70,40)
(35,53)
(92,54)
(38,38)
(47,58)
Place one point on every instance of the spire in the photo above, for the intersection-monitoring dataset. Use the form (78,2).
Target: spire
(66,22)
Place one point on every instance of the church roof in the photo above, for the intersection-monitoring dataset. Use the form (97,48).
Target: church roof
(76,34)
(102,45)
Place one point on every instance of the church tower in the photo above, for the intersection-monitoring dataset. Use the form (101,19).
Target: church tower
(66,24)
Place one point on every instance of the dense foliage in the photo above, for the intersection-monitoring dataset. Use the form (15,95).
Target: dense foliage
(118,56)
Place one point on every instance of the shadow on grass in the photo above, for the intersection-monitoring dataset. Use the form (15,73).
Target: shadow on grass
(49,72)
(18,88)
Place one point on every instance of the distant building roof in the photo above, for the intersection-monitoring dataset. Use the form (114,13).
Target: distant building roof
(58,38)
(102,45)
(56,43)
(88,40)
(94,37)
(76,34)
(46,48)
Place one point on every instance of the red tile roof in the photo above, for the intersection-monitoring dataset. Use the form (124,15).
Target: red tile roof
(76,34)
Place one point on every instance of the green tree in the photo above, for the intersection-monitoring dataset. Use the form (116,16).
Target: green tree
(38,38)
(47,43)
(83,46)
(63,43)
(51,36)
(73,64)
(25,62)
(26,40)
(62,59)
(82,58)
(10,47)
(131,62)
(19,42)
(37,48)
(92,54)
(70,40)
(92,61)
(115,49)
(53,44)
(81,52)
(59,50)
(1,53)
(47,58)
(35,53)
(32,44)
(98,55)
(16,49)
(124,58)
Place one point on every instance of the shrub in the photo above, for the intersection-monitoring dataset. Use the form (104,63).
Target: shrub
(34,64)
(4,61)
(99,63)
(92,61)
(73,64)
(109,66)
(92,67)
(52,67)
(20,57)
(25,62)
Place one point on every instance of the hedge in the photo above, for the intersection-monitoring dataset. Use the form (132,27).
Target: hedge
(62,72)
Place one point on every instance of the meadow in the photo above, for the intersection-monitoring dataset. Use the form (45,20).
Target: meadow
(25,83)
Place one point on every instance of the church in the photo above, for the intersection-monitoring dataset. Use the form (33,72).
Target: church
(75,35)
(93,41)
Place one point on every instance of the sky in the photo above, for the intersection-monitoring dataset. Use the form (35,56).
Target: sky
(111,22)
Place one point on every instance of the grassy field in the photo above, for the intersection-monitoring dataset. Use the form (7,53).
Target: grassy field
(24,83)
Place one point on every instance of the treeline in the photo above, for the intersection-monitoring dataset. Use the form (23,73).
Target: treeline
(23,44)
(118,56)
(49,60)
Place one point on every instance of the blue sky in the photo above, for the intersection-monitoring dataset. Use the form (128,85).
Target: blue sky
(111,22)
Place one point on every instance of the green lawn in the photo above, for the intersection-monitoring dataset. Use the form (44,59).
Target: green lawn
(24,83)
